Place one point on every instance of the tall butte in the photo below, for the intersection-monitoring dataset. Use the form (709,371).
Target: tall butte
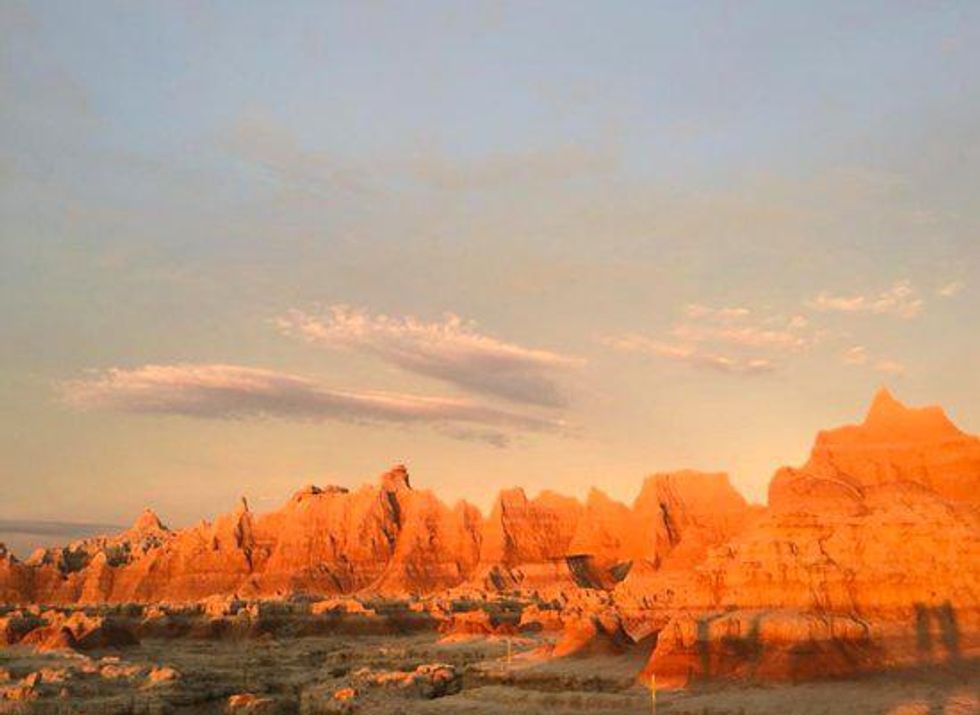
(894,445)
(867,556)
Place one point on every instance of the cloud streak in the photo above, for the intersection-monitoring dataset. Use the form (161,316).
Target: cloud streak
(732,339)
(860,356)
(451,351)
(741,327)
(856,355)
(950,289)
(890,367)
(746,336)
(689,354)
(219,391)
(900,300)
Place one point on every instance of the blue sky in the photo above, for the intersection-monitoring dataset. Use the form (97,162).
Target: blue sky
(711,228)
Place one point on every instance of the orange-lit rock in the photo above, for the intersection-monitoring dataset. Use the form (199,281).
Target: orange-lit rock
(894,444)
(536,618)
(16,579)
(610,532)
(162,674)
(760,645)
(437,547)
(521,530)
(249,703)
(50,638)
(688,512)
(345,694)
(680,517)
(879,527)
(866,556)
(589,635)
(388,539)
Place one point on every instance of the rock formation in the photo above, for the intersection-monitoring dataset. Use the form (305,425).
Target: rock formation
(869,554)
(866,556)
(390,539)
(437,547)
(525,541)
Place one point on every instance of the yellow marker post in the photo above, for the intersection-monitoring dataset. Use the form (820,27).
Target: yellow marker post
(653,694)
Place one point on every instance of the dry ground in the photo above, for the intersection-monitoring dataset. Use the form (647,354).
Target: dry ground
(301,675)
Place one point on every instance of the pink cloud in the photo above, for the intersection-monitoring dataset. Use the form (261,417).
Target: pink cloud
(856,355)
(735,340)
(690,354)
(220,391)
(950,289)
(860,356)
(890,367)
(900,300)
(451,351)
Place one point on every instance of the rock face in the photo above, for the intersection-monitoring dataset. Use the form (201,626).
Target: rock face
(330,540)
(525,541)
(761,645)
(556,541)
(895,445)
(54,630)
(390,539)
(16,579)
(437,547)
(691,512)
(688,514)
(869,552)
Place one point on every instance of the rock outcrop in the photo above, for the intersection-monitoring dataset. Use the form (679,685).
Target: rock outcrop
(525,541)
(869,554)
(390,540)
(894,445)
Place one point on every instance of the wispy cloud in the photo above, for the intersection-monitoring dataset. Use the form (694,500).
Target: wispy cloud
(901,300)
(744,328)
(689,354)
(860,356)
(856,355)
(950,289)
(750,336)
(890,367)
(451,351)
(219,391)
(721,315)
(730,339)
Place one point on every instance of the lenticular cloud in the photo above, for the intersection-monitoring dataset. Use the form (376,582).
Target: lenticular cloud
(451,351)
(233,391)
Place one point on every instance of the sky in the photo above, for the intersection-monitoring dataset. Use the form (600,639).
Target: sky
(250,246)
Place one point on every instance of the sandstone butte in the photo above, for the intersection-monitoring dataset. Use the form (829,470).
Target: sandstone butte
(868,555)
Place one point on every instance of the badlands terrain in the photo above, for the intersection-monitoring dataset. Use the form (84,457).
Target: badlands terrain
(856,589)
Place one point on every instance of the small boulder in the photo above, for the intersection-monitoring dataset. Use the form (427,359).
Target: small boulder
(162,674)
(50,638)
(345,694)
(112,671)
(250,703)
(430,680)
